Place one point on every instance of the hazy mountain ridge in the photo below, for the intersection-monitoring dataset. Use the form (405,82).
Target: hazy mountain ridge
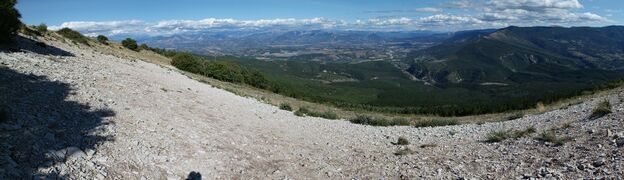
(294,37)
(516,54)
(323,45)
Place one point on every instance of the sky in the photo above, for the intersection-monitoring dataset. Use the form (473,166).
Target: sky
(166,17)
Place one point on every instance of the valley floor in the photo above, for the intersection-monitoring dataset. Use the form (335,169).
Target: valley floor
(97,116)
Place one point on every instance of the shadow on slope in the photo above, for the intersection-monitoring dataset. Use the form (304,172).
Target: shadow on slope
(42,128)
(23,44)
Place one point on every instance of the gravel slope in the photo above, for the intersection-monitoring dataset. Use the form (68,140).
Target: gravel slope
(97,116)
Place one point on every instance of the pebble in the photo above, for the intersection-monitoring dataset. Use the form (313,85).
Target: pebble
(599,162)
(619,142)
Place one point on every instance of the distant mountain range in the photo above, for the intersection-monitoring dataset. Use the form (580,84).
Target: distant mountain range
(522,54)
(512,55)
(235,41)
(459,73)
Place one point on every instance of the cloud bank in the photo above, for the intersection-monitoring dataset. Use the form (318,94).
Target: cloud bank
(537,12)
(447,16)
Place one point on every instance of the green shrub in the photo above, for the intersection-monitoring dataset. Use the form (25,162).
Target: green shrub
(188,62)
(402,141)
(256,79)
(130,44)
(520,134)
(28,31)
(221,70)
(302,111)
(326,114)
(436,122)
(395,122)
(73,35)
(501,135)
(42,28)
(497,136)
(102,39)
(144,47)
(515,116)
(225,71)
(165,52)
(549,136)
(601,110)
(285,106)
(9,20)
(368,120)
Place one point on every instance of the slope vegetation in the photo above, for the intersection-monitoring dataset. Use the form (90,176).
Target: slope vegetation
(524,54)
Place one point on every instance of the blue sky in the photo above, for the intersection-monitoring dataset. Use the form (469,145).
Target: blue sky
(168,17)
(36,11)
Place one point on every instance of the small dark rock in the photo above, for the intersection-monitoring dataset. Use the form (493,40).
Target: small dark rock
(599,162)
(619,142)
(581,167)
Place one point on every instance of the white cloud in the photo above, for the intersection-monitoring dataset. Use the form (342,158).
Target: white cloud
(446,19)
(429,10)
(535,4)
(178,26)
(397,11)
(495,13)
(104,27)
(389,22)
(165,27)
(459,4)
(536,12)
(476,14)
(212,22)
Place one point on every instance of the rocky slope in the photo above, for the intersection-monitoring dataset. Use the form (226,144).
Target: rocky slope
(76,112)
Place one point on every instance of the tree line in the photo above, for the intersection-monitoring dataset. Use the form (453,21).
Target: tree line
(218,69)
